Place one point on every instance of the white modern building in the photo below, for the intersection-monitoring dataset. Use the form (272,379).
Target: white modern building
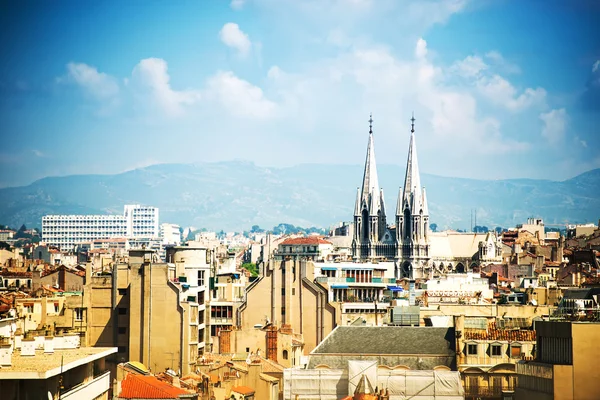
(170,234)
(65,231)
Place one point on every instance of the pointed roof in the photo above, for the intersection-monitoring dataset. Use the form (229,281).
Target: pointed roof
(413,192)
(364,386)
(399,205)
(370,186)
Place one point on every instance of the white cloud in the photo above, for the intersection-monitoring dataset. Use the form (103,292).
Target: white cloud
(470,67)
(372,78)
(430,12)
(421,48)
(498,60)
(501,92)
(237,4)
(97,84)
(240,97)
(233,37)
(555,124)
(596,66)
(151,73)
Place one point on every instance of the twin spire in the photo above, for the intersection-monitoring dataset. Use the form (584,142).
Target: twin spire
(412,195)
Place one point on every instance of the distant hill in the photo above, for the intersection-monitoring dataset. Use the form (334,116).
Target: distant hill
(236,195)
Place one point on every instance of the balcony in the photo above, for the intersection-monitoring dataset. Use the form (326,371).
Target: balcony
(221,321)
(89,390)
(376,281)
(482,392)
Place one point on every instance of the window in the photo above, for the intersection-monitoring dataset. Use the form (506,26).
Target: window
(285,354)
(122,330)
(200,278)
(78,314)
(122,292)
(515,350)
(471,349)
(56,309)
(283,291)
(28,308)
(122,311)
(496,350)
(293,291)
(247,349)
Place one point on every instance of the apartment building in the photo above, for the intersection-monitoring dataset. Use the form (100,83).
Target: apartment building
(53,367)
(66,231)
(565,363)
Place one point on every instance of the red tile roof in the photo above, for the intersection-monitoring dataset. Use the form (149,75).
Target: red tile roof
(305,240)
(245,390)
(148,387)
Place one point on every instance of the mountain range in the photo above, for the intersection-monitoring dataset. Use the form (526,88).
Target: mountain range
(235,195)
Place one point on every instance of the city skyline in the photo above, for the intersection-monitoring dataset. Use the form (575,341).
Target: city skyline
(116,86)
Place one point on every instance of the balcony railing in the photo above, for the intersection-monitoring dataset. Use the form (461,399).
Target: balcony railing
(328,279)
(221,321)
(486,391)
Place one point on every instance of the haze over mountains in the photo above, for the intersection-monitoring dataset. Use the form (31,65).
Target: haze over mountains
(235,195)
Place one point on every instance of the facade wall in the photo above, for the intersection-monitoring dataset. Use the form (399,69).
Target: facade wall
(586,352)
(282,296)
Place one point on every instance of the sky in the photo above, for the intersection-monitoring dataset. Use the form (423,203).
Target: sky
(499,89)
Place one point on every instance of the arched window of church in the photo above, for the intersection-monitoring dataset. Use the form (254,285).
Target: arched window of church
(285,354)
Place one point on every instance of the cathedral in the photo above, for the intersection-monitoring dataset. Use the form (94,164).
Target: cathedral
(416,251)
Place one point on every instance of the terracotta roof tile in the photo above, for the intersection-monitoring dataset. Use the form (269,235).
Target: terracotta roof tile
(148,387)
(305,240)
(245,390)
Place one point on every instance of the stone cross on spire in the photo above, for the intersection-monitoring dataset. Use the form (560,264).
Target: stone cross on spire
(371,123)
(412,120)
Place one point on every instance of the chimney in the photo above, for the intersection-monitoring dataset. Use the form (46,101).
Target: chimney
(49,344)
(5,355)
(28,346)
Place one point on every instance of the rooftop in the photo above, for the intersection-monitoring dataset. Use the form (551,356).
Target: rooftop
(148,387)
(305,241)
(388,340)
(45,365)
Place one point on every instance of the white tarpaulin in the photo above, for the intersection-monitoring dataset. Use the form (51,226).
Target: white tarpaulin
(402,384)
(356,369)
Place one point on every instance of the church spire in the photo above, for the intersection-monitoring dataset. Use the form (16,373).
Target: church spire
(412,180)
(370,186)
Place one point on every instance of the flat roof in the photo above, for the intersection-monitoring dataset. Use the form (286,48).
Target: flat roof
(45,365)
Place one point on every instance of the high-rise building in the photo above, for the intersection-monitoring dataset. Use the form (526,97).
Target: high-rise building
(66,231)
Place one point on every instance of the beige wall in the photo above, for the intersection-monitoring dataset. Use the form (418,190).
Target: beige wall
(586,353)
(307,310)
(563,384)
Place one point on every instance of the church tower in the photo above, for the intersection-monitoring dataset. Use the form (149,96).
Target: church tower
(370,227)
(412,218)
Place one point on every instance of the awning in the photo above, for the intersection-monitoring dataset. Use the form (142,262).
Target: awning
(339,286)
(328,269)
(357,268)
(395,288)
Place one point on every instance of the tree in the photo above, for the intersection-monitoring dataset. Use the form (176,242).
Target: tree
(256,229)
(433,227)
(251,267)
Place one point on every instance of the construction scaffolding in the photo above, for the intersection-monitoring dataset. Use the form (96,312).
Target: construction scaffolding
(402,384)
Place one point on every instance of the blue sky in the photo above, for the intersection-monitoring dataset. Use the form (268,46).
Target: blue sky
(500,89)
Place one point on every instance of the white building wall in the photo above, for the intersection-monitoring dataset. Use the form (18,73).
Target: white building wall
(65,231)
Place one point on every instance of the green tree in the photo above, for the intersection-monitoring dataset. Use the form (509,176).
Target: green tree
(251,267)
